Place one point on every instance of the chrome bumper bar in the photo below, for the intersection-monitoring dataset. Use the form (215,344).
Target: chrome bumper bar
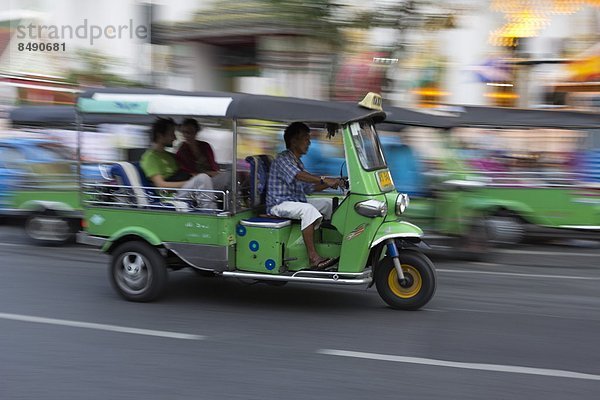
(84,238)
(334,278)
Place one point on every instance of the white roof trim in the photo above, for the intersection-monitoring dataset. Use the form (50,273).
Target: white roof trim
(174,105)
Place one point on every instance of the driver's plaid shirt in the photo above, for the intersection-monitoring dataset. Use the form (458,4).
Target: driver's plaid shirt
(283,185)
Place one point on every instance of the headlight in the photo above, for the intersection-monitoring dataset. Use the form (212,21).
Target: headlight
(401,203)
(371,208)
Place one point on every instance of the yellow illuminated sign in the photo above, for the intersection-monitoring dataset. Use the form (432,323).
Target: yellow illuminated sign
(385,179)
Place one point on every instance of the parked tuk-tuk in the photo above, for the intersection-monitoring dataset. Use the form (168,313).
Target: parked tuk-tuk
(39,175)
(147,232)
(443,202)
(38,170)
(501,176)
(540,168)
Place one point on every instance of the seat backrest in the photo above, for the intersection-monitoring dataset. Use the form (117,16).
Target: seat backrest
(130,174)
(259,175)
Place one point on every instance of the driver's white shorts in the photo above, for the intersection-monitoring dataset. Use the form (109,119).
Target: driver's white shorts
(308,213)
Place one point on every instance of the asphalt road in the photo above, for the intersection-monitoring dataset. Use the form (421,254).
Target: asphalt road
(523,326)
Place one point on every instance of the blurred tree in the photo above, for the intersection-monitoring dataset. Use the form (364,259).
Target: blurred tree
(312,18)
(323,17)
(405,16)
(95,71)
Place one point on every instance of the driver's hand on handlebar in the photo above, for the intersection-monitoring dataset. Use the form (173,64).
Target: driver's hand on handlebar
(332,182)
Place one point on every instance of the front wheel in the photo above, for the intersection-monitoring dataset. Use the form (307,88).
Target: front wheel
(138,271)
(418,287)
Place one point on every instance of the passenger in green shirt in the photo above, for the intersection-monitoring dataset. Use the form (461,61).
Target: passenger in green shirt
(161,167)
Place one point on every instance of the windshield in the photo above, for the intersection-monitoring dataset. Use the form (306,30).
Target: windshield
(367,145)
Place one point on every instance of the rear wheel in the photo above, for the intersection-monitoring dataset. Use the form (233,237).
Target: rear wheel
(49,229)
(505,228)
(418,286)
(138,271)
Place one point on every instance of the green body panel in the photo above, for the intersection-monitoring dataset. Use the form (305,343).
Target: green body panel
(32,199)
(357,232)
(261,249)
(550,206)
(142,233)
(420,209)
(449,213)
(164,226)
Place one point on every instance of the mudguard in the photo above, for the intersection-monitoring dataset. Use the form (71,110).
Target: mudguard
(40,205)
(396,229)
(140,232)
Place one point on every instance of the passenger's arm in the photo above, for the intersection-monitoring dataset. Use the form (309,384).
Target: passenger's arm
(159,181)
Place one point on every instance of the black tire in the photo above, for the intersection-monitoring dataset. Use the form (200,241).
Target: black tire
(421,281)
(138,271)
(505,228)
(49,229)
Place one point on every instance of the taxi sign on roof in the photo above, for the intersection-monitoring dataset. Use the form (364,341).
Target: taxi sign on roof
(372,101)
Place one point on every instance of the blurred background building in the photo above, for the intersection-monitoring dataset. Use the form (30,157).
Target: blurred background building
(524,53)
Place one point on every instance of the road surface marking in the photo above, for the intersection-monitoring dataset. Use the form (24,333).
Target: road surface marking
(101,327)
(534,314)
(453,364)
(458,271)
(543,252)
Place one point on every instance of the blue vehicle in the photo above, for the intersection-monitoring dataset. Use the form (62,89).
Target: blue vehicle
(39,183)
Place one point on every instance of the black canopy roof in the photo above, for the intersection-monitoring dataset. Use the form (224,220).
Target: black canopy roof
(492,117)
(66,116)
(38,115)
(398,118)
(526,118)
(262,107)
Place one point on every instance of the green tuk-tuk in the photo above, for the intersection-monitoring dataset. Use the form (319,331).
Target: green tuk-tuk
(445,203)
(540,169)
(501,176)
(147,232)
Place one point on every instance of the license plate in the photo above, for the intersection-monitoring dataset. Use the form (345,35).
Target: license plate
(385,179)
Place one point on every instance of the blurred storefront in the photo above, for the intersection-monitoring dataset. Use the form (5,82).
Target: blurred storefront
(581,88)
(39,89)
(222,46)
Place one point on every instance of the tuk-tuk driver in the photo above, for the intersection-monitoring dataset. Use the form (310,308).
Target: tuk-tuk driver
(288,185)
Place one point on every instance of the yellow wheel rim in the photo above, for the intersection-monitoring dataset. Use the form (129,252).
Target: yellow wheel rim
(416,282)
